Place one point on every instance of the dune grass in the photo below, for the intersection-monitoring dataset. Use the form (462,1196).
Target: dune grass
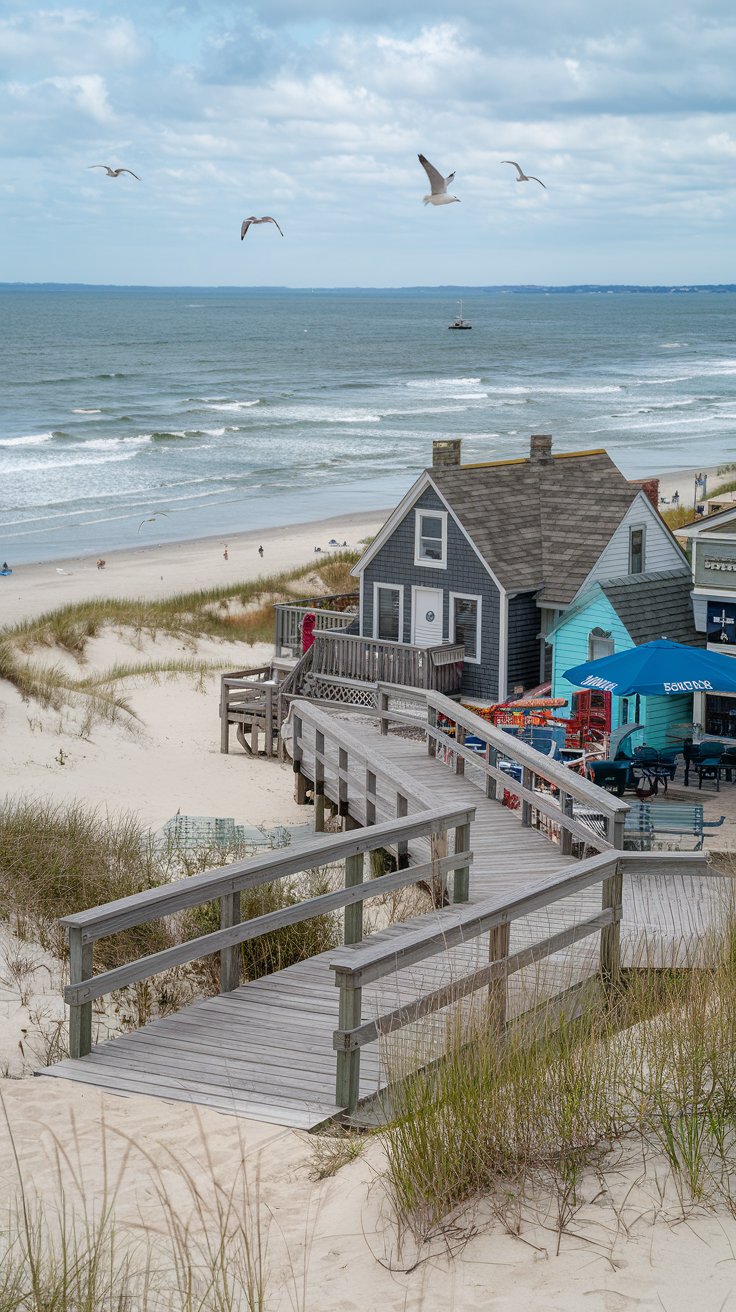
(506,1117)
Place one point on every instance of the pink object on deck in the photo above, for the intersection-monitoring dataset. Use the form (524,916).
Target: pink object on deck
(308,624)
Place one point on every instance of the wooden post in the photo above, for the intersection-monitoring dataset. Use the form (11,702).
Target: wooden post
(354,914)
(229,957)
(461,878)
(268,727)
(80,1015)
(498,949)
(383,711)
(616,828)
(300,782)
(402,848)
(432,723)
(370,797)
(527,778)
(566,805)
(347,1084)
(319,782)
(491,783)
(459,742)
(438,849)
(342,781)
(224,725)
(612,896)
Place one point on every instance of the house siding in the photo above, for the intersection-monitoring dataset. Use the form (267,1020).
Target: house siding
(570,647)
(524,649)
(465,573)
(660,550)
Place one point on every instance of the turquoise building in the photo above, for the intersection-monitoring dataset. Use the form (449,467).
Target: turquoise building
(612,615)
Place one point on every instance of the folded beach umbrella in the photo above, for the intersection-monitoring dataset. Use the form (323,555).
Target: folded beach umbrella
(657,669)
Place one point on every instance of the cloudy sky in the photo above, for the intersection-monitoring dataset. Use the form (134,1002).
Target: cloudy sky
(314,111)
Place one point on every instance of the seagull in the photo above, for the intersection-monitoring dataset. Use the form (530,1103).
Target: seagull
(438,184)
(523,177)
(247,222)
(114,173)
(151,518)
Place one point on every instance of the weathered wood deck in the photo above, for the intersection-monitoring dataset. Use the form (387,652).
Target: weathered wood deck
(265,1049)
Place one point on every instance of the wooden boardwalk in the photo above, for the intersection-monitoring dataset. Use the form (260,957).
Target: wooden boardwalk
(265,1049)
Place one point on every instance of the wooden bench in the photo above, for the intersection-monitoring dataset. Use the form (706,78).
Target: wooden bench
(646,820)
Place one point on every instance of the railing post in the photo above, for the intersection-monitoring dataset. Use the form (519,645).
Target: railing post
(319,782)
(370,797)
(461,877)
(402,848)
(438,850)
(268,728)
(342,781)
(615,829)
(491,783)
(612,897)
(498,950)
(224,725)
(300,783)
(383,711)
(527,779)
(80,1014)
(230,958)
(432,724)
(353,931)
(566,808)
(459,742)
(347,1084)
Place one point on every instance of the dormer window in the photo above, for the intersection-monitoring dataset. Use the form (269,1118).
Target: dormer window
(636,550)
(430,541)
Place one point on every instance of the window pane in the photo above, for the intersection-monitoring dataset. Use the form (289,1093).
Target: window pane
(466,625)
(430,542)
(636,551)
(388,614)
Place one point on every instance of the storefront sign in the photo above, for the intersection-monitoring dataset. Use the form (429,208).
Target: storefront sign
(715,564)
(721,623)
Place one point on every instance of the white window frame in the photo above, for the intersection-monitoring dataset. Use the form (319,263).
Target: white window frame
(468,596)
(435,514)
(390,587)
(638,528)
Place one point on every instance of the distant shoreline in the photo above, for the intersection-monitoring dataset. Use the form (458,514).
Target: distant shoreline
(479,289)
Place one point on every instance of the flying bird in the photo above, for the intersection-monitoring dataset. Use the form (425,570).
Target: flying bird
(247,222)
(439,185)
(151,518)
(114,173)
(523,177)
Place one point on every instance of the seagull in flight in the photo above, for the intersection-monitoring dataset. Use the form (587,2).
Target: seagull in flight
(523,177)
(150,519)
(114,173)
(247,222)
(439,185)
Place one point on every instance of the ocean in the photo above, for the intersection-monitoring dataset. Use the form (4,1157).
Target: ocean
(134,416)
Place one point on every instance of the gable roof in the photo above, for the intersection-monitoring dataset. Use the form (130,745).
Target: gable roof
(715,521)
(541,524)
(656,605)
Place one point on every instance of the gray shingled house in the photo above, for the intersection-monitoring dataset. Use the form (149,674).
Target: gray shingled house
(491,555)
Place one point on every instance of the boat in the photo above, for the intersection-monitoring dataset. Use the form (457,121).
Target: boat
(458,321)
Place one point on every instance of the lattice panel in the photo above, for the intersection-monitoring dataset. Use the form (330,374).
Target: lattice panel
(322,689)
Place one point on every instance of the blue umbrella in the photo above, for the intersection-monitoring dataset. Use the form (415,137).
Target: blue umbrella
(657,669)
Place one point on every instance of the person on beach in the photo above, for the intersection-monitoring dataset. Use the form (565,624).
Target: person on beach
(100,563)
(225,553)
(675,498)
(260,552)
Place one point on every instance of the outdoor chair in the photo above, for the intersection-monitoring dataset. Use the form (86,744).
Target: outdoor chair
(710,764)
(651,767)
(612,775)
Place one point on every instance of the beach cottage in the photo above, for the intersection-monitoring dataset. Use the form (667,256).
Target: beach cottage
(713,564)
(491,556)
(612,615)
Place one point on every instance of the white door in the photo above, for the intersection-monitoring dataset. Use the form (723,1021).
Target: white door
(426,617)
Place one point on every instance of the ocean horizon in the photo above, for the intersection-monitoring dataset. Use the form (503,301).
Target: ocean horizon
(131,416)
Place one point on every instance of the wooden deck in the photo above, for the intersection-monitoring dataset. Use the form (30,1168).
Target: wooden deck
(265,1049)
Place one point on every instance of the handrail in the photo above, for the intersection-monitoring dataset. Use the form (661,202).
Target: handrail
(227,883)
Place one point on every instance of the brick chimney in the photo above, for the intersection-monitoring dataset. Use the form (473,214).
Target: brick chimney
(650,488)
(446,452)
(540,448)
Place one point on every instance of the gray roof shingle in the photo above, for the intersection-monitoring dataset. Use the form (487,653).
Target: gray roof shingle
(656,605)
(540,524)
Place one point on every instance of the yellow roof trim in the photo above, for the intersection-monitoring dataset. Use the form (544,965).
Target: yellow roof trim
(524,460)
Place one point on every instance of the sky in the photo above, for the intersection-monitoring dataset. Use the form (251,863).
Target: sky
(314,112)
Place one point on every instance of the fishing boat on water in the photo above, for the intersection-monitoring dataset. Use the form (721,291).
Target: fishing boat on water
(458,321)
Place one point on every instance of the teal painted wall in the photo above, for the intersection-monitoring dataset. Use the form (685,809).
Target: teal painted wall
(570,647)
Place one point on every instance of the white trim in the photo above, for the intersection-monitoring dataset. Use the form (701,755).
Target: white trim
(361,606)
(503,646)
(718,594)
(392,523)
(708,522)
(426,587)
(468,596)
(419,561)
(390,587)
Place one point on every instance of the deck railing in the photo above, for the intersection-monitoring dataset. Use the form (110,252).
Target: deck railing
(226,885)
(289,617)
(350,657)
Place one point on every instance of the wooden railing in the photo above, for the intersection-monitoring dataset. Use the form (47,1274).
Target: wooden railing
(289,617)
(249,700)
(364,963)
(226,885)
(347,656)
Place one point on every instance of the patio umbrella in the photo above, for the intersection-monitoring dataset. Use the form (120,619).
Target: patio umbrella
(657,669)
